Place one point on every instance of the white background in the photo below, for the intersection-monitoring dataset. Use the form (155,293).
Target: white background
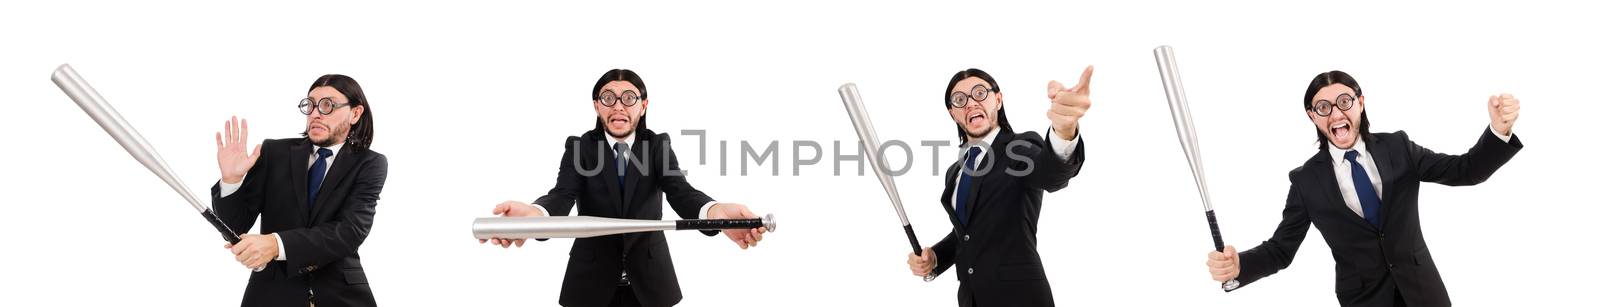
(472,102)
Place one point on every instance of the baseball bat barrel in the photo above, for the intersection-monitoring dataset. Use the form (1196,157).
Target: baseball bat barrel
(1178,103)
(120,130)
(869,141)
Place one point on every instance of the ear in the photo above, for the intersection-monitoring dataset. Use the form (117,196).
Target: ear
(999,100)
(1311,115)
(356,114)
(643,105)
(1362,101)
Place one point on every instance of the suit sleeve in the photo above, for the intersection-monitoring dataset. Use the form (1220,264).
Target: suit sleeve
(1041,167)
(683,197)
(559,201)
(945,253)
(1276,253)
(240,209)
(1471,168)
(339,238)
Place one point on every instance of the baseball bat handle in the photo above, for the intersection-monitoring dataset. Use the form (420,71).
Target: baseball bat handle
(710,224)
(916,247)
(1216,233)
(227,233)
(1216,239)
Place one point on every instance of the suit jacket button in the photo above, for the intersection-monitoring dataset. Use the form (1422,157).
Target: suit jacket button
(966,237)
(969,271)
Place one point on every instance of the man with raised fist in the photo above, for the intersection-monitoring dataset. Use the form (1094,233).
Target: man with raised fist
(1362,194)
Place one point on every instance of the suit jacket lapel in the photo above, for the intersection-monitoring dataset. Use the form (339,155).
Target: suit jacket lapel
(950,176)
(608,174)
(1387,171)
(1329,186)
(640,145)
(299,156)
(994,169)
(342,164)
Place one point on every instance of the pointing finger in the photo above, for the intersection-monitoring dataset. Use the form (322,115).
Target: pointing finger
(1083,81)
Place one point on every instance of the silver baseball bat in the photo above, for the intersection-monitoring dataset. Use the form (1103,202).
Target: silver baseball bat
(542,227)
(1177,101)
(869,141)
(119,129)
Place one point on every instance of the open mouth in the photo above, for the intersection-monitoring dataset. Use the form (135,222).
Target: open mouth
(975,117)
(618,120)
(1340,130)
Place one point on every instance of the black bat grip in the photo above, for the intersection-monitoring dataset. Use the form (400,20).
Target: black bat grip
(1216,239)
(227,233)
(1216,234)
(711,224)
(916,248)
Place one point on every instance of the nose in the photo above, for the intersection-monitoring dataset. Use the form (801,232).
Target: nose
(1337,115)
(973,106)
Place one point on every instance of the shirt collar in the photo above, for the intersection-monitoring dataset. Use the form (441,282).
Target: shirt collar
(335,149)
(612,140)
(1338,154)
(987,139)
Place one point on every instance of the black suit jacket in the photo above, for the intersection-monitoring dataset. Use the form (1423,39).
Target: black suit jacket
(588,178)
(1373,264)
(320,241)
(996,254)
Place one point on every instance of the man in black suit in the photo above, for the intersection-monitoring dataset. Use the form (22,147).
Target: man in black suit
(315,195)
(1362,194)
(993,198)
(629,269)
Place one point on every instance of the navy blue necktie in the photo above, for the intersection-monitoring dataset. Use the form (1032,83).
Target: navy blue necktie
(622,161)
(314,176)
(965,184)
(1364,190)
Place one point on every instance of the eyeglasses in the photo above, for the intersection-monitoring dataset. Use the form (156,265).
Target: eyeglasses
(324,105)
(979,93)
(1325,107)
(628,98)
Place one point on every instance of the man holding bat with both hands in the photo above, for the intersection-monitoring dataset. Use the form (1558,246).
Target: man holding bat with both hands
(1361,192)
(621,169)
(993,194)
(315,195)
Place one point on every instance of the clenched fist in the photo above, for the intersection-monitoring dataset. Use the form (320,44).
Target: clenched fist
(512,208)
(922,265)
(1224,264)
(1503,111)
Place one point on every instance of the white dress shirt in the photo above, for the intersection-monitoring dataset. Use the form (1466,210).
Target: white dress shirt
(612,142)
(1347,187)
(224,189)
(1062,147)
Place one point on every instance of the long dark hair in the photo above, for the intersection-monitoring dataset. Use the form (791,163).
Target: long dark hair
(360,136)
(1327,79)
(994,88)
(623,75)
